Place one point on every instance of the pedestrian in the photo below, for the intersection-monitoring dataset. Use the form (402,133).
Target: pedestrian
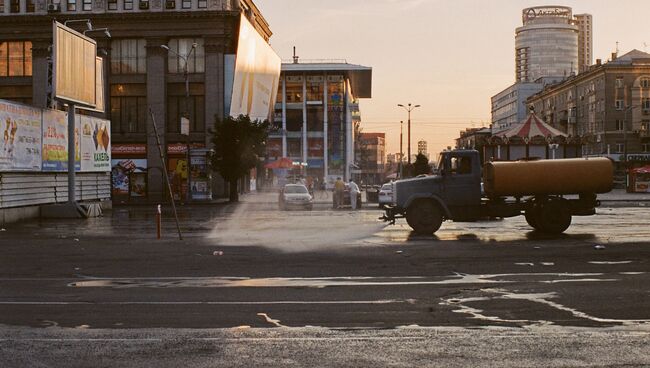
(354,191)
(339,187)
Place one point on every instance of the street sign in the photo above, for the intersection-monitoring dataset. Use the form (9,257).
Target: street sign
(185,126)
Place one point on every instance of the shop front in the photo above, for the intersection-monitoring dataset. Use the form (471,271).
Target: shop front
(129,172)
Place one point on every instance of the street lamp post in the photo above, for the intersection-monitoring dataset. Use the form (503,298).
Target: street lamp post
(408,108)
(186,75)
(401,150)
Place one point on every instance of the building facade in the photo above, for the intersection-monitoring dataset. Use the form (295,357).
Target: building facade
(608,106)
(422,148)
(316,112)
(547,44)
(144,71)
(371,158)
(585,41)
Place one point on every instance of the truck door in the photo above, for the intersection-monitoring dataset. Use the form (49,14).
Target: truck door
(462,187)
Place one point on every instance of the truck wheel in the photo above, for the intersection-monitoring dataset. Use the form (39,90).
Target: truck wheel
(553,217)
(531,218)
(424,217)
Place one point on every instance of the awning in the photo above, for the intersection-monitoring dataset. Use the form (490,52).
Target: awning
(532,127)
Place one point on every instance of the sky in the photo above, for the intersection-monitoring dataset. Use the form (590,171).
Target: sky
(449,56)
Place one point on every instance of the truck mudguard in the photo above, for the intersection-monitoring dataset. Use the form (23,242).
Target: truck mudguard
(434,198)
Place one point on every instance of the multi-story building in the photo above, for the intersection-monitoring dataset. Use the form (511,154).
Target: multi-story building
(585,41)
(550,46)
(371,157)
(547,43)
(144,68)
(608,105)
(315,115)
(422,148)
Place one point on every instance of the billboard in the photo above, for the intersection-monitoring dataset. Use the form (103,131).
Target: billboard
(20,147)
(95,144)
(74,66)
(257,73)
(55,140)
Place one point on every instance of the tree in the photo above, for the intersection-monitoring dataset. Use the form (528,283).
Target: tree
(421,165)
(238,144)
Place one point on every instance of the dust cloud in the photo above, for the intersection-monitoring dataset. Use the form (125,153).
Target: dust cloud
(258,222)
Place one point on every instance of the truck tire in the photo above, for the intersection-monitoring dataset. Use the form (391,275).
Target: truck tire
(553,217)
(531,216)
(424,217)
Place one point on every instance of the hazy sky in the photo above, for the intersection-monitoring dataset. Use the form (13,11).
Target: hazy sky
(449,56)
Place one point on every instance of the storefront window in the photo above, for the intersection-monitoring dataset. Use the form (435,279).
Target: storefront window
(183,46)
(15,59)
(128,56)
(177,108)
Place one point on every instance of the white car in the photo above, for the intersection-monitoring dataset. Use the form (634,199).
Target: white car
(385,196)
(295,196)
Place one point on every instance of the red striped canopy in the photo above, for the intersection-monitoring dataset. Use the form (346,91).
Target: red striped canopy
(532,127)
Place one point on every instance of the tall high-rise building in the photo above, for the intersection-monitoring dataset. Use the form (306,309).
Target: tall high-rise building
(422,147)
(585,41)
(548,43)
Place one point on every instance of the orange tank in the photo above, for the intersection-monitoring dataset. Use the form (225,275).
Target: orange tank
(563,176)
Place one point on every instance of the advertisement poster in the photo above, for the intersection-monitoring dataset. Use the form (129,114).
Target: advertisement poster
(95,144)
(55,140)
(178,177)
(257,74)
(20,147)
(129,177)
(315,147)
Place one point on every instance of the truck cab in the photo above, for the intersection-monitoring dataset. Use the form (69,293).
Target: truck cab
(454,193)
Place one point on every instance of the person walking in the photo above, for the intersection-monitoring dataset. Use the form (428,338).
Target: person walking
(339,187)
(354,191)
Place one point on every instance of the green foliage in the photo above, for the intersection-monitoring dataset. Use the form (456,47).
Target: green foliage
(238,144)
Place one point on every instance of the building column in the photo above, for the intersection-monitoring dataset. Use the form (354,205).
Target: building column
(284,116)
(156,100)
(349,139)
(325,129)
(214,82)
(40,88)
(304,119)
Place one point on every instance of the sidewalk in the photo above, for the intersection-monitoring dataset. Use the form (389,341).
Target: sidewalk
(621,195)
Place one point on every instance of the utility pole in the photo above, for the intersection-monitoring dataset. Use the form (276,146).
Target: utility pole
(401,150)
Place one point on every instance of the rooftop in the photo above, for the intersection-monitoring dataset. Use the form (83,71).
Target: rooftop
(360,76)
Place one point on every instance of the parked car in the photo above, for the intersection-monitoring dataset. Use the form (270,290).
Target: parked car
(385,195)
(295,196)
(346,198)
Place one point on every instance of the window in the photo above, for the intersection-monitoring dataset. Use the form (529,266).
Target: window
(87,5)
(2,6)
(128,4)
(618,104)
(645,83)
(203,4)
(183,46)
(619,147)
(294,90)
(619,125)
(128,56)
(294,120)
(31,6)
(129,108)
(186,4)
(645,103)
(72,5)
(645,147)
(619,82)
(14,6)
(315,118)
(112,4)
(315,88)
(178,106)
(15,59)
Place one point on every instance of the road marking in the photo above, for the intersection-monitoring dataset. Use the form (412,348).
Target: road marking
(385,301)
(274,322)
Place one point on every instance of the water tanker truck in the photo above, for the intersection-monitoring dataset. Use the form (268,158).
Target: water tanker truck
(547,192)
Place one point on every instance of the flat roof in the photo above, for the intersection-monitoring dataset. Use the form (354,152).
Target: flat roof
(360,76)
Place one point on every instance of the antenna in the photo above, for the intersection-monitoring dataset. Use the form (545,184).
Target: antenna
(295,57)
(616,48)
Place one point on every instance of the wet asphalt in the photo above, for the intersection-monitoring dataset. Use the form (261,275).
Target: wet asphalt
(250,280)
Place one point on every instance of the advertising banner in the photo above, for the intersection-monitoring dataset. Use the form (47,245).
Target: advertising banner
(20,147)
(257,74)
(95,144)
(74,69)
(129,177)
(55,140)
(315,147)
